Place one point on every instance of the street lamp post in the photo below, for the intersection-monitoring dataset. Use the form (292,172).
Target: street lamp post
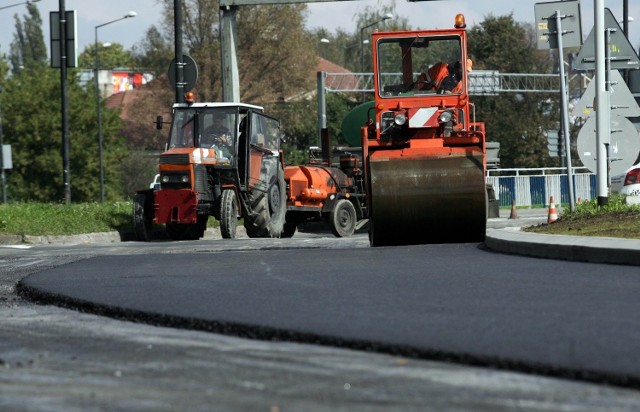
(97,68)
(386,17)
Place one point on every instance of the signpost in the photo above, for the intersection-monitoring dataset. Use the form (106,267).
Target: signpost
(622,101)
(606,48)
(554,21)
(623,55)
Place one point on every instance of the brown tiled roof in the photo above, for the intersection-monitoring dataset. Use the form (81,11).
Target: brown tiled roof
(349,81)
(325,65)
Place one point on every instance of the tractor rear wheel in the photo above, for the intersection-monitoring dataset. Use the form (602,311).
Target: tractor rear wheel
(269,209)
(228,214)
(343,218)
(142,217)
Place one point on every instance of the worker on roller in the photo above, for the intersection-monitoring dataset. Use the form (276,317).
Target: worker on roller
(453,82)
(432,79)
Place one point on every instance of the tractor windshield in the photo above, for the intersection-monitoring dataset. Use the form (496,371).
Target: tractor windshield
(413,66)
(206,127)
(183,129)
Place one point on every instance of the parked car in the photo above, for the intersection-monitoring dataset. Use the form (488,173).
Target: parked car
(628,184)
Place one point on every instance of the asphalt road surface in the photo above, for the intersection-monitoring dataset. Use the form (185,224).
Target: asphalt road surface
(466,304)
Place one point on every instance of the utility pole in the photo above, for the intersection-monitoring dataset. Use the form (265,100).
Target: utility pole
(66,164)
(177,22)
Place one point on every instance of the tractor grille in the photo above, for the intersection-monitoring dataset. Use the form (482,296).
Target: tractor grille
(174,159)
(200,176)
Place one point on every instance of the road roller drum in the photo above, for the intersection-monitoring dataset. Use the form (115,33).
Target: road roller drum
(430,199)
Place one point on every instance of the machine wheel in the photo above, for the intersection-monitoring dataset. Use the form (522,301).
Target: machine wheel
(290,228)
(228,214)
(269,211)
(343,218)
(185,231)
(142,217)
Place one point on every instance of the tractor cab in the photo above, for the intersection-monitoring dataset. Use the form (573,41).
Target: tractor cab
(207,127)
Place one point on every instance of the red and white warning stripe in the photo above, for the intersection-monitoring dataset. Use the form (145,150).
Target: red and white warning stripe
(424,117)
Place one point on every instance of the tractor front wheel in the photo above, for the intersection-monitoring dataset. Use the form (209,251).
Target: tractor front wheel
(228,214)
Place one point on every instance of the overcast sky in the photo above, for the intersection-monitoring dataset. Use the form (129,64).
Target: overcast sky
(331,15)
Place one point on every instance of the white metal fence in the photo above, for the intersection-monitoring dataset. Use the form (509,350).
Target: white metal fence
(534,187)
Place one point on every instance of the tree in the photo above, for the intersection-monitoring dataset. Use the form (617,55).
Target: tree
(154,52)
(110,56)
(31,114)
(516,121)
(275,54)
(28,49)
(32,125)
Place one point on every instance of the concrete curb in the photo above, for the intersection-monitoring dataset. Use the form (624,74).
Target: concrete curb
(575,248)
(101,237)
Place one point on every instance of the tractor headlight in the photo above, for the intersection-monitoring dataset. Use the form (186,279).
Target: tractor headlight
(400,119)
(445,117)
(175,180)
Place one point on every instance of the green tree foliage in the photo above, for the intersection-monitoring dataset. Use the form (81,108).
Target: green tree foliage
(516,121)
(370,20)
(275,54)
(32,125)
(344,47)
(110,56)
(28,49)
(154,52)
(300,124)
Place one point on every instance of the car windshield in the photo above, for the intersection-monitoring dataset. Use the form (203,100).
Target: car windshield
(412,66)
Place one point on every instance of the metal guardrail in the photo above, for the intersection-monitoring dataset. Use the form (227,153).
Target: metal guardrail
(534,187)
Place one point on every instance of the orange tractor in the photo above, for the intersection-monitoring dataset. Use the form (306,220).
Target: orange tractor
(320,191)
(221,160)
(424,154)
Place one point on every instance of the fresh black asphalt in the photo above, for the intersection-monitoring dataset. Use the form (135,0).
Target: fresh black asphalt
(448,302)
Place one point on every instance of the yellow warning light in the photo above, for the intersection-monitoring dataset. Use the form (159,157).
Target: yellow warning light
(460,22)
(189,97)
(380,106)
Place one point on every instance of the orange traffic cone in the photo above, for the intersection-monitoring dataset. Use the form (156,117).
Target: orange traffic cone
(514,214)
(553,213)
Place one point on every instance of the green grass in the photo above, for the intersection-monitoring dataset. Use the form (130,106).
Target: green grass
(616,219)
(38,219)
(49,219)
